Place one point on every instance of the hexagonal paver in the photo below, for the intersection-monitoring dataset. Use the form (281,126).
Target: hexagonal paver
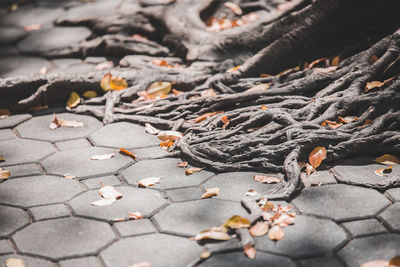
(24,151)
(191,217)
(136,227)
(7,134)
(28,15)
(377,247)
(184,194)
(11,34)
(234,185)
(78,163)
(49,212)
(159,250)
(340,202)
(328,261)
(5,247)
(38,127)
(29,261)
(38,190)
(365,227)
(14,120)
(64,237)
(392,217)
(87,261)
(21,65)
(238,259)
(308,237)
(173,176)
(322,177)
(144,200)
(24,170)
(11,219)
(123,134)
(73,144)
(394,194)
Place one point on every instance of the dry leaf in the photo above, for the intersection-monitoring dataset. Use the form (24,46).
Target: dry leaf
(266,179)
(102,156)
(137,215)
(387,160)
(233,69)
(150,129)
(128,153)
(141,264)
(225,120)
(276,233)
(109,82)
(103,202)
(160,62)
(325,70)
(259,229)
(236,222)
(146,182)
(285,219)
(192,170)
(169,135)
(331,124)
(234,8)
(251,193)
(4,174)
(32,27)
(208,92)
(121,219)
(383,172)
(159,89)
(210,192)
(64,123)
(250,251)
(268,206)
(335,61)
(214,233)
(259,87)
(348,119)
(263,107)
(379,263)
(395,261)
(205,116)
(372,85)
(89,94)
(15,262)
(317,156)
(108,191)
(316,62)
(182,164)
(205,255)
(68,176)
(176,92)
(104,65)
(73,100)
(373,59)
(4,112)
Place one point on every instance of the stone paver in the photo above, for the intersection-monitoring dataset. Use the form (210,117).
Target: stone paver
(165,250)
(73,144)
(38,127)
(307,237)
(173,176)
(29,261)
(191,217)
(11,219)
(318,178)
(136,227)
(364,227)
(151,152)
(78,163)
(24,170)
(26,16)
(144,200)
(238,259)
(394,194)
(391,216)
(49,212)
(95,183)
(38,190)
(5,246)
(379,247)
(10,35)
(123,134)
(7,134)
(60,234)
(323,261)
(341,202)
(24,151)
(87,261)
(183,194)
(13,120)
(21,65)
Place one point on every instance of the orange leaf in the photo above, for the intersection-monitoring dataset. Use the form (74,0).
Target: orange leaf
(395,261)
(225,120)
(160,62)
(210,192)
(182,164)
(192,170)
(373,59)
(335,61)
(317,156)
(372,85)
(383,172)
(276,233)
(250,251)
(117,83)
(263,107)
(266,179)
(126,152)
(205,116)
(236,222)
(332,124)
(137,215)
(233,69)
(259,229)
(387,160)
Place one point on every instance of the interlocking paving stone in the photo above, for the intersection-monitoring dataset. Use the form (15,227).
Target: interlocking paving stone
(78,163)
(340,202)
(81,262)
(135,227)
(11,219)
(318,178)
(234,185)
(21,65)
(64,237)
(151,152)
(327,261)
(38,190)
(191,217)
(10,35)
(13,120)
(24,170)
(308,237)
(48,39)
(365,249)
(38,127)
(24,151)
(144,200)
(394,194)
(29,15)
(49,212)
(183,194)
(5,247)
(73,144)
(29,261)
(123,134)
(392,217)
(364,227)
(7,134)
(173,176)
(238,259)
(95,183)
(165,250)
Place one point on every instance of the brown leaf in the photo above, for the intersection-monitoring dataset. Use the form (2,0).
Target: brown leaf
(210,192)
(316,62)
(335,61)
(103,202)
(146,182)
(89,94)
(317,156)
(348,119)
(372,85)
(373,59)
(266,179)
(73,100)
(137,215)
(236,222)
(387,159)
(109,82)
(4,174)
(285,219)
(208,92)
(259,229)
(395,261)
(108,191)
(251,193)
(259,87)
(104,65)
(159,89)
(32,27)
(225,120)
(150,129)
(15,262)
(213,233)
(250,251)
(141,264)
(169,135)
(379,263)
(64,123)
(205,116)
(128,153)
(182,164)
(331,124)
(234,8)
(276,233)
(383,172)
(4,112)
(102,156)
(192,170)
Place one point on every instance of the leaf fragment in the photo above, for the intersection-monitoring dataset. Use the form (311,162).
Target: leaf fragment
(266,179)
(250,251)
(141,264)
(276,233)
(372,85)
(395,261)
(64,123)
(109,82)
(234,8)
(213,233)
(15,262)
(103,202)
(102,156)
(4,174)
(192,170)
(285,219)
(387,159)
(205,116)
(236,222)
(331,124)
(146,182)
(205,255)
(259,229)
(210,192)
(89,94)
(169,135)
(150,129)
(263,107)
(74,100)
(335,61)
(225,120)
(68,176)
(383,172)
(182,164)
(136,215)
(317,155)
(5,112)
(128,153)
(108,191)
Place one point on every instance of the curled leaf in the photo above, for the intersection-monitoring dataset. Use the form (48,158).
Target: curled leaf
(317,156)
(137,215)
(15,262)
(213,233)
(372,85)
(250,251)
(387,159)
(182,164)
(276,233)
(102,156)
(108,191)
(236,222)
(89,94)
(266,179)
(225,120)
(4,174)
(259,229)
(103,202)
(150,129)
(383,172)
(210,192)
(74,100)
(64,123)
(192,170)
(146,182)
(128,153)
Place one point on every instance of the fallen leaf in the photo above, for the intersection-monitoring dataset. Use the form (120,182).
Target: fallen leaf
(236,222)
(89,94)
(138,36)
(348,119)
(4,174)
(141,264)
(108,191)
(276,233)
(383,172)
(205,255)
(234,8)
(210,192)
(74,100)
(387,160)
(150,129)
(379,263)
(43,70)
(233,69)
(169,135)
(128,153)
(137,215)
(266,179)
(372,85)
(225,120)
(268,206)
(160,62)
(104,65)
(208,92)
(64,123)
(102,156)
(68,176)
(331,124)
(121,219)
(335,61)
(109,82)
(103,202)
(32,27)
(192,170)
(259,229)
(15,262)
(146,182)
(250,251)
(213,233)
(205,116)
(325,70)
(316,62)
(251,193)
(259,87)
(317,156)
(285,219)
(182,164)
(159,89)
(395,261)
(263,107)
(176,92)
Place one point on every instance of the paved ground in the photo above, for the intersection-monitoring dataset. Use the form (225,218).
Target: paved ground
(48,220)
